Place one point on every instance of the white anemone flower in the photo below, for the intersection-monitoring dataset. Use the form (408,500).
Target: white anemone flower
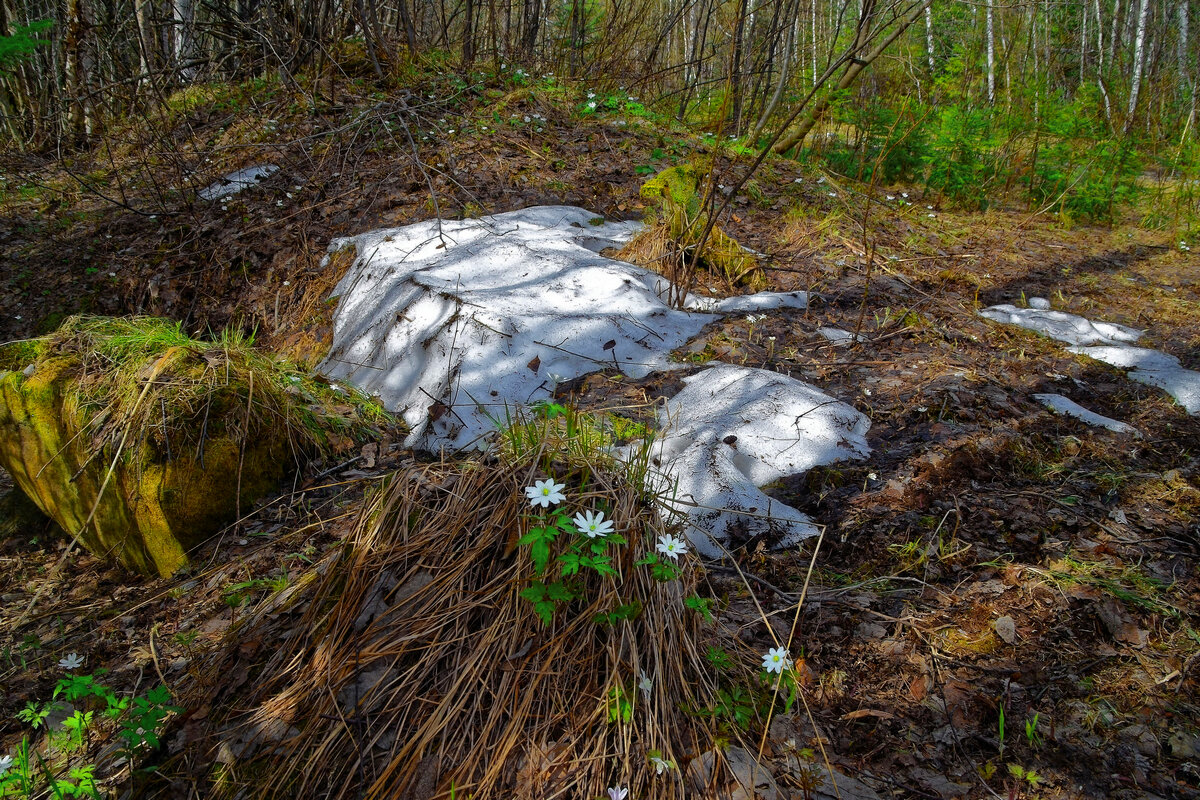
(671,546)
(6,763)
(72,661)
(545,493)
(593,525)
(618,793)
(777,660)
(661,765)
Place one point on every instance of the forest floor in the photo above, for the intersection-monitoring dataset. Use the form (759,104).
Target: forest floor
(1005,603)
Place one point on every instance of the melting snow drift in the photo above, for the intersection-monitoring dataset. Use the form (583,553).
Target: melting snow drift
(733,429)
(235,182)
(1107,342)
(455,324)
(1064,405)
(1060,325)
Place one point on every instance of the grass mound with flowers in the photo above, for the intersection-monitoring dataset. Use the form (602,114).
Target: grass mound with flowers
(487,631)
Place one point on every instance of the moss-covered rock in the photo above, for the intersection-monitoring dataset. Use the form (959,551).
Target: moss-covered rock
(678,221)
(143,443)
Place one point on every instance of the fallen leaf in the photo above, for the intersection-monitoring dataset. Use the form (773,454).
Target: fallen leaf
(1120,624)
(1006,629)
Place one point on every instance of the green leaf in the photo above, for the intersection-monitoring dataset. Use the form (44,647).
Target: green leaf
(539,551)
(570,563)
(700,606)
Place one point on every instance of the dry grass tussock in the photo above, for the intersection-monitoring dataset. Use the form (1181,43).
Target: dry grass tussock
(141,379)
(417,670)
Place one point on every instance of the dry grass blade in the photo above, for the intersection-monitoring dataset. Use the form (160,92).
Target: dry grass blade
(423,672)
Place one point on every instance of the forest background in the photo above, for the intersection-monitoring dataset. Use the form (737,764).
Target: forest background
(1064,105)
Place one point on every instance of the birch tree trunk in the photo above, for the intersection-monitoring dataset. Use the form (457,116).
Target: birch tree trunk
(1100,64)
(1139,57)
(73,69)
(785,68)
(185,41)
(813,18)
(1114,38)
(1083,37)
(929,36)
(991,55)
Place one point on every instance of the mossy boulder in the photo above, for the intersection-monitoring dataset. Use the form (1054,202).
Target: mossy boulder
(676,223)
(143,443)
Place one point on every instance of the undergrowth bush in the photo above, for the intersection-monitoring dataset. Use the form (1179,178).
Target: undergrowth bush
(1054,150)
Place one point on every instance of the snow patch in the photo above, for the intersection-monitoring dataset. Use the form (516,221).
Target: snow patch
(1153,368)
(456,324)
(733,429)
(762,301)
(1062,326)
(1110,343)
(839,337)
(235,182)
(1064,405)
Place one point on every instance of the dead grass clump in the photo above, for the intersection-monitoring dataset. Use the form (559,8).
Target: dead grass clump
(142,379)
(419,670)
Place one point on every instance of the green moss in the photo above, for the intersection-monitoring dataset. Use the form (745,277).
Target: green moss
(20,354)
(680,218)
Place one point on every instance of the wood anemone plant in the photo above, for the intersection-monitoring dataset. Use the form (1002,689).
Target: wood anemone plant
(418,669)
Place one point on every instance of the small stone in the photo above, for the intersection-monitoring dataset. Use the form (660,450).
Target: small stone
(1142,738)
(1006,629)
(870,630)
(1183,745)
(1040,303)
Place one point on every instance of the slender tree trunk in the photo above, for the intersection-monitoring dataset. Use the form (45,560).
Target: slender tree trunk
(1181,54)
(410,32)
(784,70)
(854,68)
(468,46)
(736,79)
(991,55)
(813,13)
(73,68)
(1139,56)
(1083,37)
(1100,64)
(185,39)
(531,19)
(1114,38)
(929,36)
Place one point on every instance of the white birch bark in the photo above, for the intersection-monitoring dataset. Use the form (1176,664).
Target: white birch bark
(814,42)
(1181,49)
(991,54)
(1139,57)
(1114,38)
(1083,37)
(185,46)
(929,35)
